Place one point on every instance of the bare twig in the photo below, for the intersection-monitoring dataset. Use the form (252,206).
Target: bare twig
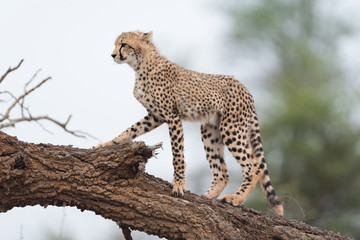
(8,93)
(10,70)
(31,79)
(22,102)
(7,121)
(6,115)
(12,122)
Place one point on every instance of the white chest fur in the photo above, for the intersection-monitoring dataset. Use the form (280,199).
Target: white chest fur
(141,91)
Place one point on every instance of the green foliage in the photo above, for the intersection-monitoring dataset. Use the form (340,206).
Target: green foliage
(307,128)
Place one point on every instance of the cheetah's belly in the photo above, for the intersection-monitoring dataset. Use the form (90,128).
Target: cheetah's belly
(206,110)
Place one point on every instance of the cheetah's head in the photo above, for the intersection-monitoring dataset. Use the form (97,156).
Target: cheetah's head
(130,47)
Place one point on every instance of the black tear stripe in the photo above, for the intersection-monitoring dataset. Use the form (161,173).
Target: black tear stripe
(124,45)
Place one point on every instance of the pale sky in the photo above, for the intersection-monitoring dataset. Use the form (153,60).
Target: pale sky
(71,41)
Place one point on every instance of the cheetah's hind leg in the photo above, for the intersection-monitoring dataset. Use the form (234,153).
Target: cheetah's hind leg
(214,149)
(236,139)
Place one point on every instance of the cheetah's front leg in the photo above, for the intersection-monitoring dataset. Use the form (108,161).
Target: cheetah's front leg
(146,124)
(177,146)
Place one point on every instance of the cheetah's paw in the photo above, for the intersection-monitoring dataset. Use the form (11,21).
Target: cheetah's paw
(233,199)
(215,190)
(179,188)
(104,144)
(211,195)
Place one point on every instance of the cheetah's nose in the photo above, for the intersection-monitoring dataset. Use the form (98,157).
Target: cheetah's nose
(113,55)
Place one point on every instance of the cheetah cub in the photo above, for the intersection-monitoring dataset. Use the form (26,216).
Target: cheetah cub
(223,105)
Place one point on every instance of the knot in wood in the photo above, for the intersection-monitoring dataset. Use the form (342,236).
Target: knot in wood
(19,162)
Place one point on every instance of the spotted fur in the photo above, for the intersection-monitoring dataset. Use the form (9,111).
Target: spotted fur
(222,104)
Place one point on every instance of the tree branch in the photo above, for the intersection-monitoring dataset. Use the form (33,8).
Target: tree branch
(8,121)
(127,233)
(10,70)
(108,182)
(17,100)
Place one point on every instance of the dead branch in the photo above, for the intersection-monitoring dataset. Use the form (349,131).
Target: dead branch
(10,70)
(127,233)
(6,119)
(18,99)
(107,181)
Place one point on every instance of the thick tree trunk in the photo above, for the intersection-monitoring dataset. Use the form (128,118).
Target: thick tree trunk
(108,182)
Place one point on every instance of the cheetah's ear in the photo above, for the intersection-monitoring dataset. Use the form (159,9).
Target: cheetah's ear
(148,35)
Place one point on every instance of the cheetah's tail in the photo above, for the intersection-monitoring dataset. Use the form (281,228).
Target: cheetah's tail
(258,152)
(270,193)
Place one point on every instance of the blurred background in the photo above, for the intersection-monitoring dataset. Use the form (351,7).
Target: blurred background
(300,59)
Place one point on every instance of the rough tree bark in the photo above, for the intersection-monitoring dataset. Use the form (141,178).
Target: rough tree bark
(108,182)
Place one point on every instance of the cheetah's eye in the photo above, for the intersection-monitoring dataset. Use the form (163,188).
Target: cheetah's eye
(123,45)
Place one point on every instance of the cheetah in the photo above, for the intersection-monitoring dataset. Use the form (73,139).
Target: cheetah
(221,103)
